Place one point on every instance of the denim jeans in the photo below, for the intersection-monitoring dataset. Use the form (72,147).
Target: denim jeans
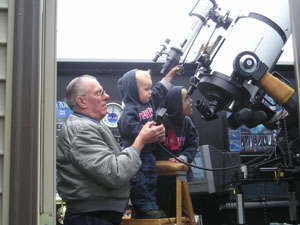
(85,219)
(143,185)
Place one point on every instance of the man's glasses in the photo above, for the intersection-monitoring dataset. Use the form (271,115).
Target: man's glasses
(100,93)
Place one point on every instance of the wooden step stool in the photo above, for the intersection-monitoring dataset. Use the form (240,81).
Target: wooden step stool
(167,168)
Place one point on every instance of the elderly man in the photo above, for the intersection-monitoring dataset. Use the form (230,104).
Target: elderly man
(93,172)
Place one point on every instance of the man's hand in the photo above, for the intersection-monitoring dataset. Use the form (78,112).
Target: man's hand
(149,134)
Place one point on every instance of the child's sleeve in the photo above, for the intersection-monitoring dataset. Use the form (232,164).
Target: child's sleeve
(129,125)
(159,91)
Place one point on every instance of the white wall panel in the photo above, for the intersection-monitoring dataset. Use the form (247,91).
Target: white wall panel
(3,26)
(6,39)
(3,61)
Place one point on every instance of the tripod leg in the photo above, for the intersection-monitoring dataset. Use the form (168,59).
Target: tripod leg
(240,209)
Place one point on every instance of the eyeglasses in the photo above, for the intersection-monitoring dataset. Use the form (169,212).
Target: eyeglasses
(99,93)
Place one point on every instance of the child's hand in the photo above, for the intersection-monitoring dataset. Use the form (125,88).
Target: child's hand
(178,159)
(172,73)
(173,160)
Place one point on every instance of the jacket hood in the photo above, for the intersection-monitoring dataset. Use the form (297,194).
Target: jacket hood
(128,87)
(173,104)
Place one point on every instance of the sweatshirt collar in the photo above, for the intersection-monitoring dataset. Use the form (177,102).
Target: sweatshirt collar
(86,116)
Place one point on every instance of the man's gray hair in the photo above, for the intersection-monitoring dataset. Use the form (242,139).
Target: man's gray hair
(76,88)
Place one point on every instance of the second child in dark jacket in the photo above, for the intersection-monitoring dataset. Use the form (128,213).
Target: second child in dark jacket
(141,102)
(182,140)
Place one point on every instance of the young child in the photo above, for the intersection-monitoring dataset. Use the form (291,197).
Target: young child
(182,140)
(141,101)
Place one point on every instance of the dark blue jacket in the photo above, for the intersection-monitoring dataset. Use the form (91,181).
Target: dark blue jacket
(135,113)
(178,127)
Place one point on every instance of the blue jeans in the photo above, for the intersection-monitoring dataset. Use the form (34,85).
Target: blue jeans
(143,185)
(85,219)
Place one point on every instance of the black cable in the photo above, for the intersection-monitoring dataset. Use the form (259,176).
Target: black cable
(189,49)
(295,141)
(286,140)
(191,12)
(249,163)
(253,162)
(198,167)
(283,155)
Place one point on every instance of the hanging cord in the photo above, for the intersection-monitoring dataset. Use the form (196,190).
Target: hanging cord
(193,165)
(286,142)
(283,155)
(191,12)
(286,138)
(205,49)
(190,47)
(201,52)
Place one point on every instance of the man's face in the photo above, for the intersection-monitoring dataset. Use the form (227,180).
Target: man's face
(187,103)
(95,99)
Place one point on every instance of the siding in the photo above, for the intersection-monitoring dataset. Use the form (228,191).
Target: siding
(6,31)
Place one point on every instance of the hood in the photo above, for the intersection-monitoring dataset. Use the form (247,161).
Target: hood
(128,87)
(173,104)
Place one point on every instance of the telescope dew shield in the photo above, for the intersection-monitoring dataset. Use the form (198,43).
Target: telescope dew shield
(276,89)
